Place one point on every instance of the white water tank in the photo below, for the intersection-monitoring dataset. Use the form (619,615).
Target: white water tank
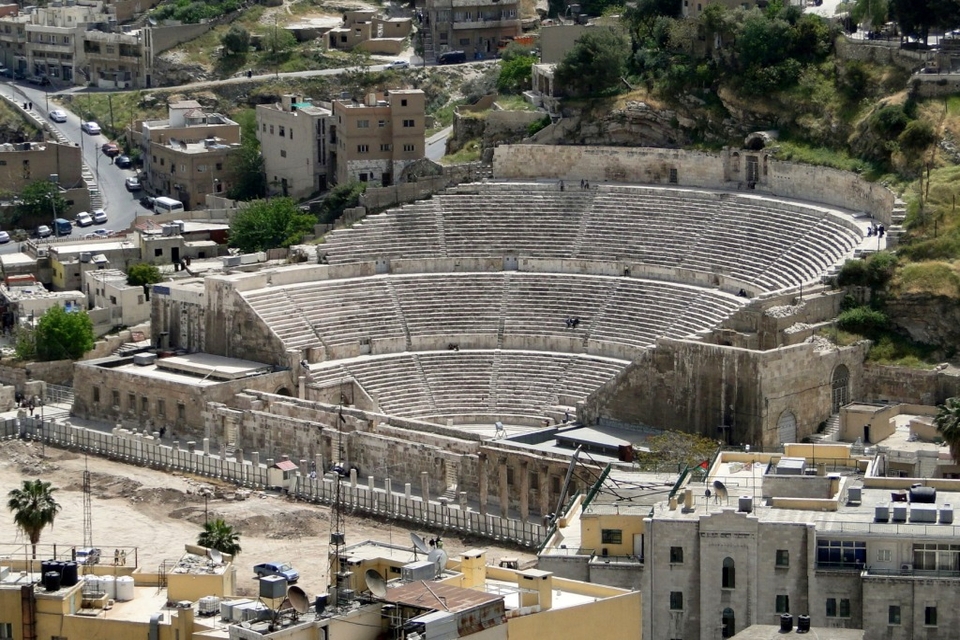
(124,588)
(108,585)
(209,605)
(92,583)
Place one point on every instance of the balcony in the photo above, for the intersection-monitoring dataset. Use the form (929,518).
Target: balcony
(499,23)
(907,571)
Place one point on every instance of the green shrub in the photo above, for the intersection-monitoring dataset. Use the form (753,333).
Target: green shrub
(540,124)
(863,320)
(853,273)
(889,121)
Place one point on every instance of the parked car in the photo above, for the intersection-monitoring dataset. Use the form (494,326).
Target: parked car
(58,115)
(43,231)
(100,233)
(39,80)
(110,149)
(281,569)
(6,72)
(147,202)
(132,184)
(4,237)
(88,556)
(124,162)
(91,128)
(99,216)
(18,75)
(398,64)
(452,57)
(83,219)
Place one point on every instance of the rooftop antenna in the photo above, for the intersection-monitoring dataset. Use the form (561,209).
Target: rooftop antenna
(87,508)
(337,538)
(419,545)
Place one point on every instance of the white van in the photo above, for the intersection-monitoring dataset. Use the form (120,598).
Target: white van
(167,205)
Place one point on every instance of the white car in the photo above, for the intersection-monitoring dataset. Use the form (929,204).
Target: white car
(83,219)
(90,127)
(43,231)
(398,64)
(4,237)
(99,216)
(58,115)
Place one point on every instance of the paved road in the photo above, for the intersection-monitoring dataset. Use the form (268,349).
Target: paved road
(437,144)
(121,206)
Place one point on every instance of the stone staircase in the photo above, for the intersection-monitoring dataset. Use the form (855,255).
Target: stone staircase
(450,493)
(831,433)
(429,55)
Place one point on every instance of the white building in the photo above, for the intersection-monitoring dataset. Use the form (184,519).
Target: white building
(108,289)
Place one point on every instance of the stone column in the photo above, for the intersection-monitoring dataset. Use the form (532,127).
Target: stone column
(425,486)
(238,455)
(371,484)
(318,462)
(255,458)
(544,490)
(321,456)
(388,490)
(206,446)
(524,491)
(353,478)
(304,469)
(504,489)
(407,490)
(482,477)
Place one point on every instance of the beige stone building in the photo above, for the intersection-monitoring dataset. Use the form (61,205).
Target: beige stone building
(379,137)
(294,139)
(108,289)
(370,32)
(477,27)
(114,60)
(185,156)
(28,162)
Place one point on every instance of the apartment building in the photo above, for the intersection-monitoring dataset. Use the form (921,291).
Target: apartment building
(107,289)
(114,59)
(186,155)
(370,32)
(27,162)
(294,136)
(375,140)
(477,27)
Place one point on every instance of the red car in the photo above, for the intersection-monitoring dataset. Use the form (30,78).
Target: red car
(110,149)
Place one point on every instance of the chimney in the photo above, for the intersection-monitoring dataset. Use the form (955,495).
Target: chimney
(371,99)
(287,100)
(473,566)
(536,588)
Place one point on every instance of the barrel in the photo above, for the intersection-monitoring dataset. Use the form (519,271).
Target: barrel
(69,575)
(803,624)
(786,623)
(51,581)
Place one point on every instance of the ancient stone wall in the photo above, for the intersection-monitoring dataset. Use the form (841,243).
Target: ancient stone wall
(879,52)
(883,383)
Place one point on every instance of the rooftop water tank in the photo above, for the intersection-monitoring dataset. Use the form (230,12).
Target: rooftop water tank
(51,581)
(108,585)
(124,588)
(69,576)
(927,495)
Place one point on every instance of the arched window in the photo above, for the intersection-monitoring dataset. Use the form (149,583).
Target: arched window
(840,387)
(729,577)
(728,623)
(787,427)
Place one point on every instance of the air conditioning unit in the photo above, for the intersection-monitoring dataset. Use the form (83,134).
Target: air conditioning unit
(905,567)
(230,261)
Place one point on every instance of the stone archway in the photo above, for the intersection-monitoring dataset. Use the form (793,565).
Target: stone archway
(839,388)
(787,427)
(283,391)
(728,622)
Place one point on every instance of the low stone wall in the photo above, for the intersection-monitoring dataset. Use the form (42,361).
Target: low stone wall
(879,52)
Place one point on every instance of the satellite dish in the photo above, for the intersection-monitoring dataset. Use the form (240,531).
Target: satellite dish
(376,583)
(438,557)
(298,599)
(215,555)
(720,489)
(419,543)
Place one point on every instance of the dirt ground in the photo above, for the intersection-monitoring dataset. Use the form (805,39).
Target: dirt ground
(158,512)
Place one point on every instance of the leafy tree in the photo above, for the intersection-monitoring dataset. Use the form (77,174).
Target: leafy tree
(515,74)
(143,274)
(33,508)
(278,44)
(595,64)
(40,200)
(248,177)
(917,17)
(917,136)
(267,224)
(675,447)
(863,321)
(640,17)
(219,535)
(872,13)
(62,336)
(947,423)
(236,40)
(343,196)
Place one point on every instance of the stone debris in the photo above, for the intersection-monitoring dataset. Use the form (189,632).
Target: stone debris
(797,328)
(784,311)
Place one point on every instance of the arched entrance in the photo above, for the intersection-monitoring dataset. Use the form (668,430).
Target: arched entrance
(728,623)
(283,391)
(787,427)
(840,388)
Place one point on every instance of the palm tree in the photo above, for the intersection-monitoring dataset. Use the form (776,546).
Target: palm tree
(218,535)
(33,509)
(948,425)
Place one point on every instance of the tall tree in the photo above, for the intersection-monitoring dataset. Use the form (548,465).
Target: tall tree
(872,13)
(33,509)
(947,423)
(219,535)
(63,336)
(39,201)
(595,64)
(268,224)
(248,176)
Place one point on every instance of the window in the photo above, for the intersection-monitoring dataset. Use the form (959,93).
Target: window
(161,407)
(363,148)
(534,481)
(844,607)
(611,536)
(181,411)
(144,405)
(96,394)
(932,557)
(831,607)
(403,102)
(283,153)
(157,253)
(884,555)
(930,616)
(843,554)
(893,614)
(385,147)
(271,129)
(281,131)
(6,630)
(510,476)
(113,299)
(363,124)
(783,603)
(783,558)
(131,402)
(676,555)
(464,42)
(219,166)
(408,147)
(291,134)
(381,123)
(201,168)
(115,398)
(676,601)
(728,577)
(673,176)
(409,123)
(264,127)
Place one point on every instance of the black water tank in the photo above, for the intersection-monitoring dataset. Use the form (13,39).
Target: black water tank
(320,603)
(786,623)
(47,565)
(51,581)
(926,495)
(803,624)
(69,576)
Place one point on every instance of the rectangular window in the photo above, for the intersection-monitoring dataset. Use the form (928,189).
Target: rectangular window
(534,481)
(844,554)
(510,476)
(115,397)
(161,407)
(385,147)
(271,129)
(676,601)
(831,607)
(783,603)
(676,555)
(611,536)
(144,405)
(283,153)
(673,176)
(157,253)
(131,402)
(382,123)
(403,102)
(6,630)
(844,607)
(893,614)
(281,131)
(408,147)
(181,411)
(363,148)
(363,124)
(884,555)
(409,123)
(219,166)
(96,394)
(783,558)
(930,616)
(264,127)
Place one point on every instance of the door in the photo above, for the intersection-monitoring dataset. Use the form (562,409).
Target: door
(728,623)
(638,545)
(175,253)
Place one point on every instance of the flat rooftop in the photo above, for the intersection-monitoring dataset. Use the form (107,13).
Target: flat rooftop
(772,632)
(438,595)
(196,369)
(36,292)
